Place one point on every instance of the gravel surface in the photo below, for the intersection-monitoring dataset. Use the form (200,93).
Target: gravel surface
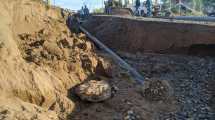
(192,80)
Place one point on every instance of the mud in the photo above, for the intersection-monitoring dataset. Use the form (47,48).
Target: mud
(153,35)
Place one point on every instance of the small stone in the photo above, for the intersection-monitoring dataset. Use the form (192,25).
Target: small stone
(82,36)
(130,112)
(156,90)
(126,118)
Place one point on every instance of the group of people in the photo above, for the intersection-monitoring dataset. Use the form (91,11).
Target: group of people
(108,6)
(145,9)
(141,9)
(84,12)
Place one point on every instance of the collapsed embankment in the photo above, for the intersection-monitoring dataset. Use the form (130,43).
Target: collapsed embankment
(41,62)
(153,35)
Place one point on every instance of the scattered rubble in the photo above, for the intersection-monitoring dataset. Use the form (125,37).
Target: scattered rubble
(190,78)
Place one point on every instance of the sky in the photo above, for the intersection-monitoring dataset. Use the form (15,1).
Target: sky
(76,4)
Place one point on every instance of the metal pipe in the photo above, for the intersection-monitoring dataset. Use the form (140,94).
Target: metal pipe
(137,76)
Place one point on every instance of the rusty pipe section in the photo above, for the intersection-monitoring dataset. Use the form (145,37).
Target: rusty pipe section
(133,72)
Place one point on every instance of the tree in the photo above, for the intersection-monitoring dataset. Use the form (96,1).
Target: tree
(209,2)
(98,10)
(190,7)
(137,3)
(126,3)
(209,5)
(199,4)
(120,3)
(166,3)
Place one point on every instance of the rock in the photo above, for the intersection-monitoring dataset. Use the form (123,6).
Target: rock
(94,91)
(82,36)
(89,63)
(46,55)
(52,48)
(82,76)
(66,42)
(156,90)
(104,68)
(66,53)
(86,46)
(131,115)
(114,89)
(62,105)
(19,110)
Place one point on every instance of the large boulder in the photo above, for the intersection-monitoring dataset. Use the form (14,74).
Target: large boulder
(94,91)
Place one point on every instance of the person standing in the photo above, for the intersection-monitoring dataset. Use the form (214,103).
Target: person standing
(106,7)
(73,23)
(82,14)
(137,5)
(86,11)
(149,7)
(110,5)
(126,3)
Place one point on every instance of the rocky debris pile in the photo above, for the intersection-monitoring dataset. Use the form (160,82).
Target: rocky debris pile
(156,90)
(190,78)
(94,91)
(74,51)
(44,45)
(67,54)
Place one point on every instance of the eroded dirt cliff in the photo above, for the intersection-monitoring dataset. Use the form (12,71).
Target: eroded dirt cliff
(153,35)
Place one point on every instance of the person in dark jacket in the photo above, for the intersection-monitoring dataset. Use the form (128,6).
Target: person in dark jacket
(137,5)
(72,23)
(86,11)
(110,5)
(149,7)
